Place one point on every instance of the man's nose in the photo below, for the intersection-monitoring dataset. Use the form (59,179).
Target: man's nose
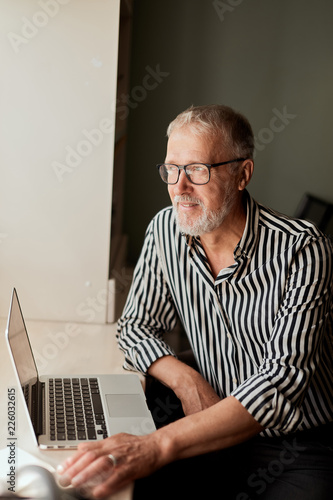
(183,184)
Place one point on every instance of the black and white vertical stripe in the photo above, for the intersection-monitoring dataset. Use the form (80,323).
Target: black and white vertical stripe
(262,331)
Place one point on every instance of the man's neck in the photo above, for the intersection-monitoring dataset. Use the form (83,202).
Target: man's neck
(219,245)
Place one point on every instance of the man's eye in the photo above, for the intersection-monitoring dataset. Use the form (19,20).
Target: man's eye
(171,169)
(196,169)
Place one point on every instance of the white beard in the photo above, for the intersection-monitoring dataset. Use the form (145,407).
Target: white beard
(208,221)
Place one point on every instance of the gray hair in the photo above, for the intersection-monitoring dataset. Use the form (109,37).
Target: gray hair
(220,121)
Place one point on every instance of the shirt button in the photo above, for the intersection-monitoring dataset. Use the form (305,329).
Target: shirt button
(234,380)
(229,335)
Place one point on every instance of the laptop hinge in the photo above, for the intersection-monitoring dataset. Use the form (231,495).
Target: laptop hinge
(38,407)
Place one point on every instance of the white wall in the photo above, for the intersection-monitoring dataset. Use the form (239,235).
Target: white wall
(57,90)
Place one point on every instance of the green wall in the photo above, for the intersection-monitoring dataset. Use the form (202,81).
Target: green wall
(265,58)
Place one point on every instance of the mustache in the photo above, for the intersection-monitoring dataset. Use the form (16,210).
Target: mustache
(186,198)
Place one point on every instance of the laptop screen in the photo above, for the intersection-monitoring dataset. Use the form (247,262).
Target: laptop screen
(20,345)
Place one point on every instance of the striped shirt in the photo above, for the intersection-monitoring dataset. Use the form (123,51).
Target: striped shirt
(262,331)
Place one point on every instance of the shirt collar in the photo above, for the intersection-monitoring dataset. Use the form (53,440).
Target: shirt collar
(247,242)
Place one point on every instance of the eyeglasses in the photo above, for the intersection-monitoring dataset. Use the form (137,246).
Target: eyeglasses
(197,173)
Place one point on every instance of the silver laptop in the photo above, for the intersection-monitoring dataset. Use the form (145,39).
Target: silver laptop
(65,410)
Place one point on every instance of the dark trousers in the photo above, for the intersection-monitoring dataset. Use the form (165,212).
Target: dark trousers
(298,466)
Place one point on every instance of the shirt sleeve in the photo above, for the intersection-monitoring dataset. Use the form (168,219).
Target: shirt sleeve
(274,395)
(148,312)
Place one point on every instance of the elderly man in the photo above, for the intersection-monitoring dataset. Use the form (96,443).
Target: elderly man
(253,291)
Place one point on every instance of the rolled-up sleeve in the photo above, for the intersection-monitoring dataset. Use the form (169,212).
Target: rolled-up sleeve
(274,395)
(148,312)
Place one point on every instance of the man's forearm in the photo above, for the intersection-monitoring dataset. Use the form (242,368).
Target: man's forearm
(225,424)
(217,424)
(170,371)
(190,387)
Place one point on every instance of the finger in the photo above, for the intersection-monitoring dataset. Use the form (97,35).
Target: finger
(61,469)
(75,465)
(82,448)
(101,447)
(115,482)
(90,445)
(94,474)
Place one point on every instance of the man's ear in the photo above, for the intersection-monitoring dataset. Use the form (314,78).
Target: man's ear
(245,174)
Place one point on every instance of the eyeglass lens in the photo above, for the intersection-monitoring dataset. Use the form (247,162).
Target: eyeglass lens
(197,172)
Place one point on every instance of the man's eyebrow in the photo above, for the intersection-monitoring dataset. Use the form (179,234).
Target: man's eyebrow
(187,163)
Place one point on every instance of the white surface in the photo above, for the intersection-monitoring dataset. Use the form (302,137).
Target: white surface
(90,347)
(57,101)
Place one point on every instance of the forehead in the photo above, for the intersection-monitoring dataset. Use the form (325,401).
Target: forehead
(186,146)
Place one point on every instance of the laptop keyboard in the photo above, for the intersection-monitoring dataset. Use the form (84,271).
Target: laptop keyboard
(76,411)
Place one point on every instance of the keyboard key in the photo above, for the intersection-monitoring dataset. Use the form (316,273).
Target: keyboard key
(97,402)
(91,433)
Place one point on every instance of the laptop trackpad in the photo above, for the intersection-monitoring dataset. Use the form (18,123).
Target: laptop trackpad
(126,405)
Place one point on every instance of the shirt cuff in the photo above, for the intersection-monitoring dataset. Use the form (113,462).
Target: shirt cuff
(141,356)
(268,406)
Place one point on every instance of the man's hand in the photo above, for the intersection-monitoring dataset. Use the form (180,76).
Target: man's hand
(190,387)
(210,424)
(94,474)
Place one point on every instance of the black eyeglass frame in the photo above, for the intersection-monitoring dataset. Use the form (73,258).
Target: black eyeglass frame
(183,167)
